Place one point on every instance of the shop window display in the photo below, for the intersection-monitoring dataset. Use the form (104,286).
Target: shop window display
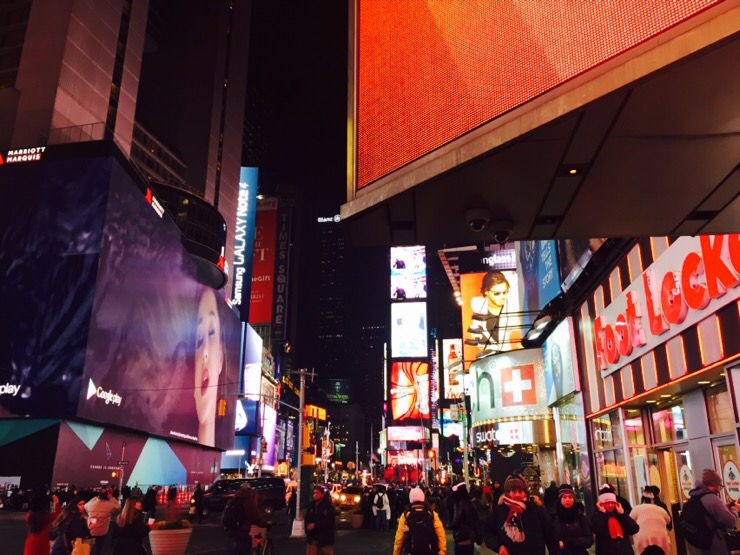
(669,424)
(719,407)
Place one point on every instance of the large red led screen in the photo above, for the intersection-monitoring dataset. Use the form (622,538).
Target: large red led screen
(430,71)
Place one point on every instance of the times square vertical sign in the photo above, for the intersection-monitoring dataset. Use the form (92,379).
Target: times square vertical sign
(282,267)
(244,232)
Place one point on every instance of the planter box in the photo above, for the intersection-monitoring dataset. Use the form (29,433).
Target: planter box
(169,542)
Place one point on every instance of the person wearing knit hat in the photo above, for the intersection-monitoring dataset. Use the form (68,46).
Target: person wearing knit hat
(519,525)
(465,523)
(407,533)
(723,517)
(612,525)
(655,490)
(653,522)
(608,488)
(571,525)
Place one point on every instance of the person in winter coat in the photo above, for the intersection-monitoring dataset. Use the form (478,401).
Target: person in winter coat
(250,515)
(320,524)
(518,525)
(38,519)
(720,517)
(382,514)
(571,525)
(100,509)
(465,524)
(70,525)
(653,522)
(130,528)
(612,526)
(417,499)
(608,488)
(655,490)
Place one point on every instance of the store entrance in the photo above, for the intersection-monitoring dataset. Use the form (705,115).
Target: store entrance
(670,469)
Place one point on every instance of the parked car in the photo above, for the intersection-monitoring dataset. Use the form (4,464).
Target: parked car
(270,493)
(350,497)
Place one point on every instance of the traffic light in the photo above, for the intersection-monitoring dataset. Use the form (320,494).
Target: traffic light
(114,474)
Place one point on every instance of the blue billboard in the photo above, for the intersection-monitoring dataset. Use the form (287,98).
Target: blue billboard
(244,232)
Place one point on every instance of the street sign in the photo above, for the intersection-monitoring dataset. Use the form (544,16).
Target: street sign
(122,463)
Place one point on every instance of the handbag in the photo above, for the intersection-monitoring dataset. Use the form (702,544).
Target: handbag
(80,547)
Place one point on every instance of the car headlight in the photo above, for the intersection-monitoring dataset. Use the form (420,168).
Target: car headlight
(357,498)
(343,497)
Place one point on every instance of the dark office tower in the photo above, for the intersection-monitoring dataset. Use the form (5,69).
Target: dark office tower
(69,71)
(192,93)
(330,296)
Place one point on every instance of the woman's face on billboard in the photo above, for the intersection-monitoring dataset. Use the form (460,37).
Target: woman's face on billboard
(209,357)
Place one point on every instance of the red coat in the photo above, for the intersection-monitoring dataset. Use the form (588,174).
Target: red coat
(37,543)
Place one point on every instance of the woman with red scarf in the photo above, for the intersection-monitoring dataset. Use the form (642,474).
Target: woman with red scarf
(518,525)
(612,526)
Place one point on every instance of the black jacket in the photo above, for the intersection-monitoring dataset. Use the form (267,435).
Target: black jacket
(465,524)
(322,515)
(605,545)
(129,539)
(572,528)
(537,526)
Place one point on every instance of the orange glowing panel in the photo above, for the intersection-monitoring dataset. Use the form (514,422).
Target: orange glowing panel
(409,389)
(429,72)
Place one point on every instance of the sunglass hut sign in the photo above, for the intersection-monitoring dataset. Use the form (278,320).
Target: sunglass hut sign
(692,279)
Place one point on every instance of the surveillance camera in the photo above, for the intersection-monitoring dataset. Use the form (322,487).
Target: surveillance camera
(477,219)
(502,230)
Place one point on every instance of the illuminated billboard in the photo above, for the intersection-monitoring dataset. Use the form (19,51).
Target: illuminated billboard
(245,422)
(561,374)
(408,273)
(339,391)
(111,325)
(406,433)
(244,228)
(409,391)
(263,266)
(573,257)
(490,312)
(409,330)
(453,368)
(462,64)
(252,374)
(539,275)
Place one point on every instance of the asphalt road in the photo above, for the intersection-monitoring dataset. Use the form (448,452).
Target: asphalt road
(208,538)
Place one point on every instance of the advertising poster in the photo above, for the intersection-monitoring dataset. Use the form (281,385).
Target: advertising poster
(409,330)
(269,425)
(408,273)
(509,385)
(339,391)
(252,375)
(573,257)
(490,311)
(244,230)
(163,350)
(409,391)
(263,267)
(561,375)
(246,420)
(539,274)
(453,368)
(51,230)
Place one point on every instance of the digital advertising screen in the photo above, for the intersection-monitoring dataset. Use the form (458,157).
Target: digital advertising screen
(561,374)
(252,374)
(539,274)
(269,425)
(263,265)
(408,273)
(339,391)
(454,369)
(408,330)
(52,215)
(453,70)
(490,312)
(246,420)
(244,230)
(573,257)
(409,391)
(163,350)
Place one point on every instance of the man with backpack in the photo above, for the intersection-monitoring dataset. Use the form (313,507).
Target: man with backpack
(381,509)
(240,514)
(420,531)
(705,519)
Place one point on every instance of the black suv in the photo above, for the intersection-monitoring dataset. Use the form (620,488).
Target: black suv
(270,493)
